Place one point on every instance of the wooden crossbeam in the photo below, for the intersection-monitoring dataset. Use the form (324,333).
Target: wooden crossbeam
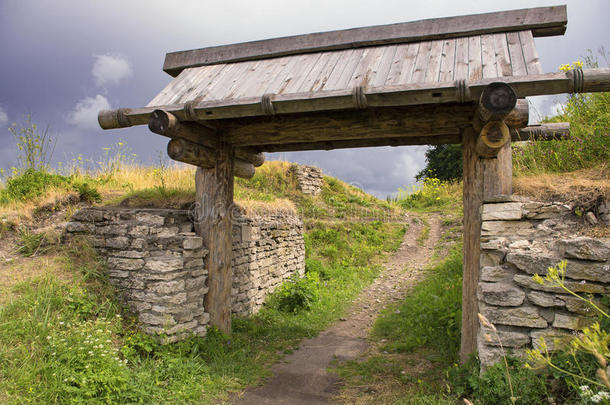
(542,21)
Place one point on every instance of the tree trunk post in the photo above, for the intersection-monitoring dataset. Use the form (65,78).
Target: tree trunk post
(214,188)
(472,197)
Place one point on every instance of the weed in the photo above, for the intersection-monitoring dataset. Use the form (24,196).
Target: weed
(298,293)
(35,148)
(29,242)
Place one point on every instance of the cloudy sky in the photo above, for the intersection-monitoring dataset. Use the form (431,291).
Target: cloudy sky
(64,60)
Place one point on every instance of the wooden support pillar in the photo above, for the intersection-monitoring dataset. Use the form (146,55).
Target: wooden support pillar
(473,198)
(214,188)
(498,175)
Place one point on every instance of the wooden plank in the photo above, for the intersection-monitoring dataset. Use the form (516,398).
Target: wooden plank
(272,69)
(430,139)
(399,60)
(383,70)
(498,175)
(530,54)
(332,65)
(315,72)
(408,64)
(421,64)
(366,68)
(231,82)
(461,59)
(203,83)
(475,63)
(448,61)
(251,79)
(434,62)
(299,74)
(502,55)
(348,124)
(543,21)
(488,57)
(214,197)
(250,73)
(277,81)
(348,71)
(181,87)
(340,66)
(515,50)
(473,198)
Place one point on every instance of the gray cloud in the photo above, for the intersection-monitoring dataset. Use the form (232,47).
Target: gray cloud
(3,117)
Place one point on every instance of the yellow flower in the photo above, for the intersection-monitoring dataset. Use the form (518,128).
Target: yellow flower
(577,64)
(565,67)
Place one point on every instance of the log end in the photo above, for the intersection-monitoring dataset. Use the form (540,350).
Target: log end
(108,119)
(498,100)
(111,119)
(493,136)
(176,149)
(160,121)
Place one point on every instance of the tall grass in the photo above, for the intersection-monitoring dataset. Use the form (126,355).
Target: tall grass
(589,142)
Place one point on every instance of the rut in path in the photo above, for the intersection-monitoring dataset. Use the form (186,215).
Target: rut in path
(302,377)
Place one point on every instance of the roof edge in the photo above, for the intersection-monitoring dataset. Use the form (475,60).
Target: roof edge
(542,21)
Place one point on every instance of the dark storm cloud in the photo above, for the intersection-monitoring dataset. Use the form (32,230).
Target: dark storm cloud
(51,52)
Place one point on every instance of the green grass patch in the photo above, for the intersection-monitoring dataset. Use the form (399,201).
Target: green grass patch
(430,315)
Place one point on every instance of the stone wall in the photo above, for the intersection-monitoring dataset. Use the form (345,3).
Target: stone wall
(266,251)
(156,262)
(309,179)
(520,239)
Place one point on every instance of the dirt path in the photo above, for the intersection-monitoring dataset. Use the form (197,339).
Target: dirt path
(302,378)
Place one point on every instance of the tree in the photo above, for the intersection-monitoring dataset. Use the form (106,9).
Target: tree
(443,162)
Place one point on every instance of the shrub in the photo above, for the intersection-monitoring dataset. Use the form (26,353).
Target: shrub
(432,194)
(298,293)
(35,148)
(31,184)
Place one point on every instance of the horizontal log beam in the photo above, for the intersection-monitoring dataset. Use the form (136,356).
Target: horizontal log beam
(519,116)
(542,132)
(166,124)
(591,80)
(363,143)
(200,156)
(542,21)
(372,123)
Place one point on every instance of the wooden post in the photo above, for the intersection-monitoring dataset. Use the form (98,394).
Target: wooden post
(498,175)
(214,188)
(473,197)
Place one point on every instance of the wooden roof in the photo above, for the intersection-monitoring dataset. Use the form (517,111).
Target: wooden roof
(407,83)
(488,56)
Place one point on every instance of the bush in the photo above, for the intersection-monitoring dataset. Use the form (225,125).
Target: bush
(31,184)
(443,162)
(298,293)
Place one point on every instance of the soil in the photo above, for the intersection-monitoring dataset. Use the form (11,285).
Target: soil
(303,378)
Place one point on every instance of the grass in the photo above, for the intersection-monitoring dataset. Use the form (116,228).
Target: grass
(63,338)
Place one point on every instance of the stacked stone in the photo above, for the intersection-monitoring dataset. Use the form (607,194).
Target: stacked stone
(267,250)
(156,263)
(520,239)
(309,179)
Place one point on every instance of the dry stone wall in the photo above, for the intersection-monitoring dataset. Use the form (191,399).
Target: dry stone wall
(309,179)
(523,238)
(156,262)
(266,251)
